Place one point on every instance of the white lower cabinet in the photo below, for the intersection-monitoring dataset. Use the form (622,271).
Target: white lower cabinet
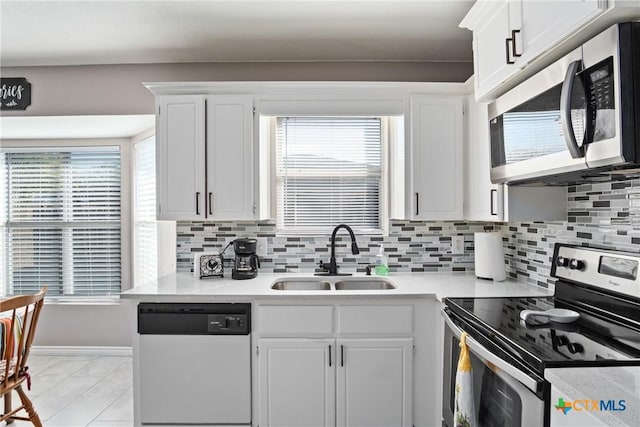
(328,382)
(297,382)
(374,382)
(345,375)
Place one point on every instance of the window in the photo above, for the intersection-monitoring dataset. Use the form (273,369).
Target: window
(145,227)
(60,221)
(329,170)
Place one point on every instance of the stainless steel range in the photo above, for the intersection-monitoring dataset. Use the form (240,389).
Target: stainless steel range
(593,320)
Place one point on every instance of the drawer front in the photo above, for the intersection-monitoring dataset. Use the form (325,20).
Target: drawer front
(308,320)
(375,320)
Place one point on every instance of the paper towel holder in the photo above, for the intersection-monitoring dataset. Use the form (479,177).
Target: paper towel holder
(489,256)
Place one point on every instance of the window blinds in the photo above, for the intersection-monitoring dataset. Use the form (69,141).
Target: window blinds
(61,221)
(145,228)
(328,171)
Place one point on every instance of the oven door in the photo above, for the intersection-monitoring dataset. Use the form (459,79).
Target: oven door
(504,396)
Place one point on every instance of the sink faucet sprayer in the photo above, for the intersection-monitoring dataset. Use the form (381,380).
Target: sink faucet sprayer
(332,268)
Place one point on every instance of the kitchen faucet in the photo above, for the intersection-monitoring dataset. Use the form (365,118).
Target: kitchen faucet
(332,268)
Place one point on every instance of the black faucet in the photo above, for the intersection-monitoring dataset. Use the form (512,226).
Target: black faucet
(332,268)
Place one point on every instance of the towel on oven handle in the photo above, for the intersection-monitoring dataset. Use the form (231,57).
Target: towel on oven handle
(464,414)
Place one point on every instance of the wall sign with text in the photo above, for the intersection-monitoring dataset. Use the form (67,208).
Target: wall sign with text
(15,93)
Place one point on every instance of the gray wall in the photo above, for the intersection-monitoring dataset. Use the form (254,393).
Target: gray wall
(86,325)
(118,89)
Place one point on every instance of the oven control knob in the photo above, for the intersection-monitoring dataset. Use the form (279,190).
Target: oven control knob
(562,261)
(576,264)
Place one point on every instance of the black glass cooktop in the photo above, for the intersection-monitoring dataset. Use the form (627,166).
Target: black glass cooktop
(596,338)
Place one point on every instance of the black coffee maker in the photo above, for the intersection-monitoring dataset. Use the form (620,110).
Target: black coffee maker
(247,262)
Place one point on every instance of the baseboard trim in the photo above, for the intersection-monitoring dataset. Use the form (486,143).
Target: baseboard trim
(80,351)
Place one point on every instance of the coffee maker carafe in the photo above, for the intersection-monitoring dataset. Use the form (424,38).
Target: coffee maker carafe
(247,262)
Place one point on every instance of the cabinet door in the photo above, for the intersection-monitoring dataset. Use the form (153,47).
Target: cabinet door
(546,23)
(435,190)
(374,382)
(297,382)
(482,198)
(180,162)
(229,157)
(490,51)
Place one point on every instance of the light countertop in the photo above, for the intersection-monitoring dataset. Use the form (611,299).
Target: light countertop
(183,287)
(615,391)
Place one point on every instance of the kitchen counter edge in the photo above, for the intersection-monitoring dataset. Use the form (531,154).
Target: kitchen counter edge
(184,287)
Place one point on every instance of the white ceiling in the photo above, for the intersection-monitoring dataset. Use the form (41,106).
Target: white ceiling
(118,32)
(74,127)
(54,32)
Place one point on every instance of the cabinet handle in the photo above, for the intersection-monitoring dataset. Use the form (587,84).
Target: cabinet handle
(493,193)
(341,355)
(508,51)
(197,203)
(417,201)
(513,43)
(329,355)
(210,202)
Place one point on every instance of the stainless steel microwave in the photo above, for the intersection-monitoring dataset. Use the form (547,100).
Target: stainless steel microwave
(576,118)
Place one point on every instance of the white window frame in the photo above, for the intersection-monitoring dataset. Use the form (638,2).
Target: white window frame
(166,244)
(140,277)
(125,147)
(389,138)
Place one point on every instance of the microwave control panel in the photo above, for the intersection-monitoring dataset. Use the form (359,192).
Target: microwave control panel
(600,84)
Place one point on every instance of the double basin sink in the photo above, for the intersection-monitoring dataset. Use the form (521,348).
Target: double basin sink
(343,284)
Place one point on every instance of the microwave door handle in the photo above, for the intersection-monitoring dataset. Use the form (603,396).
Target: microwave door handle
(565,110)
(477,348)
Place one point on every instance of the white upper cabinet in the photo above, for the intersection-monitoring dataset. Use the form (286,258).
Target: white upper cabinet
(209,159)
(546,22)
(229,157)
(509,34)
(180,157)
(493,58)
(482,199)
(204,166)
(434,190)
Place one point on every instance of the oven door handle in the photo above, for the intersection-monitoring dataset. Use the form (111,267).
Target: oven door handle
(478,349)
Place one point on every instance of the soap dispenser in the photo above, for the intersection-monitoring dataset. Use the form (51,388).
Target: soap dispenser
(382,267)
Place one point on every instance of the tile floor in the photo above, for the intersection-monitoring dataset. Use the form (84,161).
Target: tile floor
(79,391)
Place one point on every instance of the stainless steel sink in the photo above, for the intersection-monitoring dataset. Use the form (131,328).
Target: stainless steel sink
(301,285)
(364,285)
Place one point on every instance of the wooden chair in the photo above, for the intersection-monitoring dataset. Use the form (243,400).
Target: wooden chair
(18,321)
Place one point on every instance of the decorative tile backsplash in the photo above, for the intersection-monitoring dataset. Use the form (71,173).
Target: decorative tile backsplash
(410,246)
(605,215)
(599,214)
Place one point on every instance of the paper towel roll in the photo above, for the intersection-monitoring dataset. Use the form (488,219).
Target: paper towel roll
(489,256)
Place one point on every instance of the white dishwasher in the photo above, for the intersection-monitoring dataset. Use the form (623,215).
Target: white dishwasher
(195,363)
